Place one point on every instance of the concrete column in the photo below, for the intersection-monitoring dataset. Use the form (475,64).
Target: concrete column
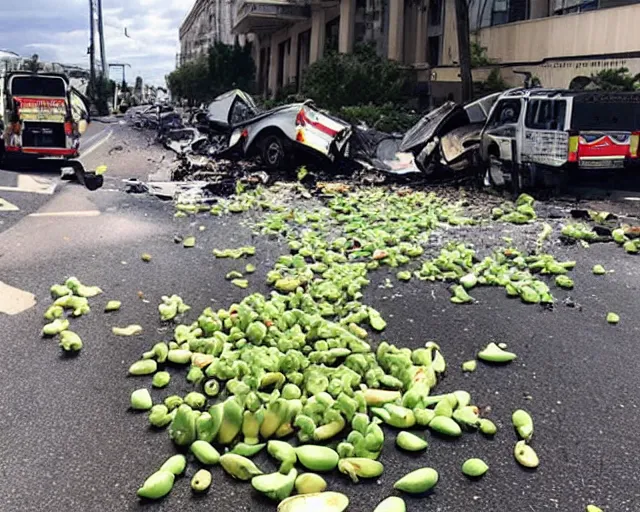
(293,58)
(347,25)
(396,29)
(273,69)
(421,33)
(317,34)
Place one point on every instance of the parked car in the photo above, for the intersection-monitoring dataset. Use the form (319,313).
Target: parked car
(298,128)
(536,136)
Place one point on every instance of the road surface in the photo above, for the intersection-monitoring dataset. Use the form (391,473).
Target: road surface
(70,443)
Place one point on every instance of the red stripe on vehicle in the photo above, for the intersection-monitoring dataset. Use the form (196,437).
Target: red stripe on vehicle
(319,126)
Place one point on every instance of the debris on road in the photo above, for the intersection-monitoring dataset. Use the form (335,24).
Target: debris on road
(112,305)
(130,330)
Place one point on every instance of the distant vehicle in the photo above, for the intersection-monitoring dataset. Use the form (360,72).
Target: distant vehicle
(40,115)
(276,134)
(535,136)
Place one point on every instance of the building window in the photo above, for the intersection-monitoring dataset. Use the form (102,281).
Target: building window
(434,50)
(304,55)
(372,24)
(435,12)
(284,49)
(332,35)
(572,6)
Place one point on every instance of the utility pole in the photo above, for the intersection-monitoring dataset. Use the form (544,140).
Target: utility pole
(464,49)
(92,49)
(103,55)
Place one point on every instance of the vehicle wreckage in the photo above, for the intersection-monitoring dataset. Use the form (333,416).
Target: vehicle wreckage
(477,138)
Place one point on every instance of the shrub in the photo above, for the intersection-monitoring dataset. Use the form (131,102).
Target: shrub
(360,78)
(386,118)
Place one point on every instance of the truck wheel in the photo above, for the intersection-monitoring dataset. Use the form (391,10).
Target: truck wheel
(272,152)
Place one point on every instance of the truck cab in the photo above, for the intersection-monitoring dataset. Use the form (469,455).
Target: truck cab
(535,137)
(40,115)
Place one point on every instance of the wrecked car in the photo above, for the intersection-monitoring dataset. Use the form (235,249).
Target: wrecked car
(537,136)
(448,135)
(241,130)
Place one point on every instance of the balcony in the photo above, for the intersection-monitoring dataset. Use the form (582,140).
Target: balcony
(265,16)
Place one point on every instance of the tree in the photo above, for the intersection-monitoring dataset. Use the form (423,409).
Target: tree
(616,80)
(224,67)
(464,49)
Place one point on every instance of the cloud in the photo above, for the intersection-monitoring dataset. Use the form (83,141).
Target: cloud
(57,30)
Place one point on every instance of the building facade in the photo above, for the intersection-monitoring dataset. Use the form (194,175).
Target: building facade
(554,40)
(208,22)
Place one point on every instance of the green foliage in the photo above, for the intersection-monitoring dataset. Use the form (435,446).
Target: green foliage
(225,67)
(386,118)
(190,81)
(616,80)
(360,78)
(479,56)
(493,83)
(230,67)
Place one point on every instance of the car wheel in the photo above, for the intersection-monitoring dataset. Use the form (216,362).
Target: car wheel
(272,152)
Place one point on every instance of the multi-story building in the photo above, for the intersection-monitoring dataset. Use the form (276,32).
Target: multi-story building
(555,40)
(209,21)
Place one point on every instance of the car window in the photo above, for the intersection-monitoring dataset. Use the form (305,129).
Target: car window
(506,112)
(546,114)
(41,86)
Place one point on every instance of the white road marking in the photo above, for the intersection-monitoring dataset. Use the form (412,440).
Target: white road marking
(632,198)
(14,300)
(34,185)
(81,213)
(96,145)
(6,206)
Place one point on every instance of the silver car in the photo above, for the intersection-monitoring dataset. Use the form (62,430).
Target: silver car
(274,135)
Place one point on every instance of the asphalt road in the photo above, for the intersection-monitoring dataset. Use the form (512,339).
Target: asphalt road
(70,443)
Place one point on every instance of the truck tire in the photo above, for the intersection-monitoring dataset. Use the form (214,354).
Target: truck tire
(272,152)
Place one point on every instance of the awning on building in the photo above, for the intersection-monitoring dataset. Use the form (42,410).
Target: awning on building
(260,16)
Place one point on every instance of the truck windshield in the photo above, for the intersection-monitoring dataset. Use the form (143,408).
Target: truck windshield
(606,112)
(41,86)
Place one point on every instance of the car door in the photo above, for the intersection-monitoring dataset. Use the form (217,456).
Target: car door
(79,109)
(502,128)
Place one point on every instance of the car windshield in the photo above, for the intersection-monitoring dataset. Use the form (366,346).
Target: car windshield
(40,86)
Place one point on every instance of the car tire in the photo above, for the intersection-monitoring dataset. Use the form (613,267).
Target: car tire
(272,152)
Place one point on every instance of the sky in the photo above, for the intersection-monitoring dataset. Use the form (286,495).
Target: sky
(58,31)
